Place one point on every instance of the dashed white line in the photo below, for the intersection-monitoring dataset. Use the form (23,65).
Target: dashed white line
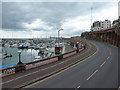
(6,81)
(108,57)
(77,87)
(92,74)
(61,62)
(102,63)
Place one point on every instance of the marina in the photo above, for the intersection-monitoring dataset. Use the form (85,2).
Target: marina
(30,51)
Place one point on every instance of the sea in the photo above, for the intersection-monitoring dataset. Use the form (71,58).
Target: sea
(27,55)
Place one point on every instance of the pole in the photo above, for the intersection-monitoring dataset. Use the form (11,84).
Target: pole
(20,59)
(58,35)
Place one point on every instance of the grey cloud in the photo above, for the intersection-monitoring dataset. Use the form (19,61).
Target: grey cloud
(53,13)
(0,15)
(76,33)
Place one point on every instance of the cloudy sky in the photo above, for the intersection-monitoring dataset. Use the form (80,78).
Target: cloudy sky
(44,19)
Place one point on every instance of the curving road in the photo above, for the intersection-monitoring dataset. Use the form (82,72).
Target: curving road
(98,71)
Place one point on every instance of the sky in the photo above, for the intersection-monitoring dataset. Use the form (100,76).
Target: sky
(44,19)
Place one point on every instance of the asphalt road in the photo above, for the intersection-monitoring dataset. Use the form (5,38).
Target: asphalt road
(97,71)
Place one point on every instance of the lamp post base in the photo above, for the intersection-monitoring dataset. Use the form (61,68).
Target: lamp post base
(20,62)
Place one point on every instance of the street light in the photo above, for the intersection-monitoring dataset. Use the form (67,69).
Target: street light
(19,52)
(59,33)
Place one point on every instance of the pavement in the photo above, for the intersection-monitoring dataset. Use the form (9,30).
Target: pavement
(68,48)
(98,70)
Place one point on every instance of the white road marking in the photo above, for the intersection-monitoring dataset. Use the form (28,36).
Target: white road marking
(92,74)
(6,81)
(108,57)
(102,63)
(77,87)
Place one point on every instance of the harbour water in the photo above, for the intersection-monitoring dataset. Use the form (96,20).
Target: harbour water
(27,55)
(30,54)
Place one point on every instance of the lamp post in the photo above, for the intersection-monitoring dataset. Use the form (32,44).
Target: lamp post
(19,52)
(58,48)
(59,33)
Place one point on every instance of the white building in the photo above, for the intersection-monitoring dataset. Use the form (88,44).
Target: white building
(115,23)
(101,25)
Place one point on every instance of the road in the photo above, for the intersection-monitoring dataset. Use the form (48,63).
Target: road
(98,71)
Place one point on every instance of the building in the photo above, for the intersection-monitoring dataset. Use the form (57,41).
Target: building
(101,25)
(115,23)
(96,26)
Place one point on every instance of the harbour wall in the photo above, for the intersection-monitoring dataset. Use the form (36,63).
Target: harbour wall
(110,36)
